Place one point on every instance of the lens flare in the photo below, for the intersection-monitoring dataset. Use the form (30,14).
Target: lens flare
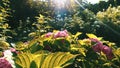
(60,3)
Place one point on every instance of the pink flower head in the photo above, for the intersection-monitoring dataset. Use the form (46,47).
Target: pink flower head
(108,51)
(56,35)
(97,47)
(4,63)
(12,49)
(61,34)
(48,34)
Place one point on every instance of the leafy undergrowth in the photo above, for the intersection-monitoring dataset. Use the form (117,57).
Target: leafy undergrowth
(61,49)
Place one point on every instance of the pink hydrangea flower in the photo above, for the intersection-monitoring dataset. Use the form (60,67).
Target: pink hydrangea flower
(4,63)
(61,34)
(12,49)
(97,47)
(48,34)
(56,35)
(108,51)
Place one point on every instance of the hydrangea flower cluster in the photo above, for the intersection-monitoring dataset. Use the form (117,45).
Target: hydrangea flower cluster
(58,34)
(49,34)
(99,47)
(4,63)
(7,60)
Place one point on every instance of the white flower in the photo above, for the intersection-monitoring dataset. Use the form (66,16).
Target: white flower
(8,55)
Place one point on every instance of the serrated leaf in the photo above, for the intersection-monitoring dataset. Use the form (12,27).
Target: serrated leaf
(77,34)
(93,36)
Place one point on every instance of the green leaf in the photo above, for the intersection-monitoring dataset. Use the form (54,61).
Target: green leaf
(4,44)
(35,47)
(38,60)
(77,34)
(47,61)
(20,46)
(52,60)
(24,60)
(18,66)
(66,58)
(33,65)
(93,36)
(57,59)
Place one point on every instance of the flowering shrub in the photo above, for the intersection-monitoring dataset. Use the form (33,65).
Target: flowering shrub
(99,47)
(63,47)
(4,14)
(57,40)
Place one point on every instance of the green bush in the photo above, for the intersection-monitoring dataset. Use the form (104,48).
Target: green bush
(62,49)
(4,14)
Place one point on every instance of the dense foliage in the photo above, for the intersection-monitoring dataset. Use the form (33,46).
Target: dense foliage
(61,49)
(111,18)
(47,35)
(4,14)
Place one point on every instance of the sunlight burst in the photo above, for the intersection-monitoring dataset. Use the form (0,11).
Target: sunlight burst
(60,3)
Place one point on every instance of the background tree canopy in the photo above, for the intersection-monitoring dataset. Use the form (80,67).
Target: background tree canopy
(74,18)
